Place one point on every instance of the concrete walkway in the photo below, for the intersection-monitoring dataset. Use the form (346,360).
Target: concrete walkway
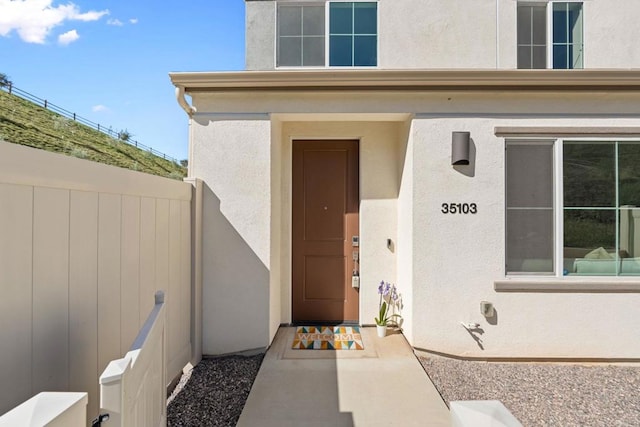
(382,385)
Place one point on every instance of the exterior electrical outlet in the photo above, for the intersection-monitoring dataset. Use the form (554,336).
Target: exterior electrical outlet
(486,309)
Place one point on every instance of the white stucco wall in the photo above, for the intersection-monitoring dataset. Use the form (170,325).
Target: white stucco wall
(260,35)
(277,230)
(609,31)
(506,40)
(233,159)
(437,34)
(245,165)
(405,226)
(462,34)
(457,258)
(444,265)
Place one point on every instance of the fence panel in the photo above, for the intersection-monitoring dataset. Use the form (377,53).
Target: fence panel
(80,248)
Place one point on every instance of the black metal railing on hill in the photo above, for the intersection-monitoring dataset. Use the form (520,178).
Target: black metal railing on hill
(11,89)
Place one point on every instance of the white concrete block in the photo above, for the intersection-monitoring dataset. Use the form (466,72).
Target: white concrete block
(481,413)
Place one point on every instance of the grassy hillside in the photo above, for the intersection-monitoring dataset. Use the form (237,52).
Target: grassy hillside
(25,123)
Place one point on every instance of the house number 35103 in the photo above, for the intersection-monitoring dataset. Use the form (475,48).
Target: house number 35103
(459,208)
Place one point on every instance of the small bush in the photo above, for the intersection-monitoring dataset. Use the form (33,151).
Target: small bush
(4,80)
(124,135)
(79,153)
(176,175)
(60,122)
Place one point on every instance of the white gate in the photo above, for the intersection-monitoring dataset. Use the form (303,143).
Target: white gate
(133,389)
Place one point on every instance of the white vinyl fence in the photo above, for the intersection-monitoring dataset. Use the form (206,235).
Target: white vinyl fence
(133,389)
(82,247)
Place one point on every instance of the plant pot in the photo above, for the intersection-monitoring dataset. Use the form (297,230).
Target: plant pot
(382,330)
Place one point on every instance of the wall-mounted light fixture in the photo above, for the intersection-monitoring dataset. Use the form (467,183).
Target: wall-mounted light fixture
(460,148)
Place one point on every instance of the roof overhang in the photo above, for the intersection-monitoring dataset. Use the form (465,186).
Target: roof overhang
(409,80)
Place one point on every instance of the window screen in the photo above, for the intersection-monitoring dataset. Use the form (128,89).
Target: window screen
(301,35)
(532,36)
(550,30)
(529,235)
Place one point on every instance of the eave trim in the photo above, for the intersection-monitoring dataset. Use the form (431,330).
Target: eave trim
(409,80)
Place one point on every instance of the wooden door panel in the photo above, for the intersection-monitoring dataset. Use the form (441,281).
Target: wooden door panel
(325,217)
(324,186)
(323,278)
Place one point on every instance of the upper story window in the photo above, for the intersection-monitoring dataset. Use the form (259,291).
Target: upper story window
(352,29)
(353,39)
(550,35)
(301,35)
(573,207)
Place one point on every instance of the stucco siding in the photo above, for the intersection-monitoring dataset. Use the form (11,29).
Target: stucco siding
(436,34)
(459,34)
(405,227)
(506,40)
(277,230)
(246,169)
(260,35)
(457,258)
(232,158)
(610,33)
(443,264)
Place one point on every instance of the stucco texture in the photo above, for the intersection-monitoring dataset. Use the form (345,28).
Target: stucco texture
(460,34)
(444,265)
(233,161)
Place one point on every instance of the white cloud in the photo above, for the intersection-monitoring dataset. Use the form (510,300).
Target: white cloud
(68,37)
(99,108)
(133,20)
(87,16)
(115,22)
(33,20)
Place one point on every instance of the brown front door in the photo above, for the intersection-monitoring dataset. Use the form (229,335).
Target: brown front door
(325,219)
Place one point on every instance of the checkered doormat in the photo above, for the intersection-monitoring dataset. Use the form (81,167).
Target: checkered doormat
(327,338)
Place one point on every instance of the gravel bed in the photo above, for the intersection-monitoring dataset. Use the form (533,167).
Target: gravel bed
(544,394)
(213,393)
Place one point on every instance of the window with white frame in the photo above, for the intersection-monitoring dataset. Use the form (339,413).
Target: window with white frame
(301,37)
(550,35)
(352,34)
(573,207)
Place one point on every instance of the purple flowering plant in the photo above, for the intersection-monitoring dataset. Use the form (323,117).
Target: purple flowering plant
(388,298)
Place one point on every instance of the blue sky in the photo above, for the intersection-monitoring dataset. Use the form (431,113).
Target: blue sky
(108,61)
